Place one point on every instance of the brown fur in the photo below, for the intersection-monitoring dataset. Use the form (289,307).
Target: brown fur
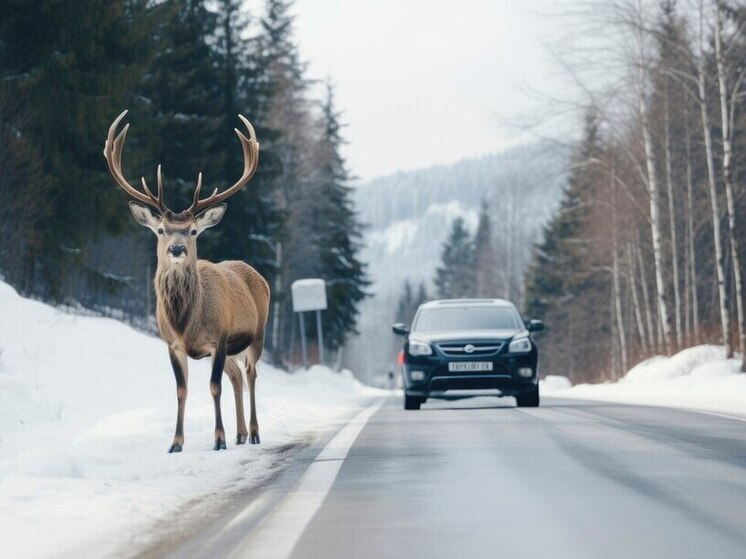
(206,309)
(199,305)
(202,309)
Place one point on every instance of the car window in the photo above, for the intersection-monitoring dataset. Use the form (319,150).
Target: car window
(467,318)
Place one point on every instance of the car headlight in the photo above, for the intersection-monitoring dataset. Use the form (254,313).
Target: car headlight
(417,347)
(520,345)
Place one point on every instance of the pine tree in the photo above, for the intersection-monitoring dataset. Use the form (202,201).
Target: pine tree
(455,276)
(76,64)
(279,88)
(404,312)
(23,205)
(182,87)
(422,295)
(409,302)
(252,223)
(339,232)
(485,257)
(560,288)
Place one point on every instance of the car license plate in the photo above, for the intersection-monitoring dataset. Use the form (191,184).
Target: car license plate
(470,366)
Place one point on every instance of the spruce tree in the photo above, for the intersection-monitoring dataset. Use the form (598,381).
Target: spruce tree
(278,88)
(485,258)
(338,231)
(556,270)
(404,306)
(409,302)
(565,285)
(455,276)
(422,295)
(76,64)
(182,87)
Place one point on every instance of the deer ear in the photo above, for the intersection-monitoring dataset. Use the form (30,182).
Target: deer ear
(211,217)
(143,216)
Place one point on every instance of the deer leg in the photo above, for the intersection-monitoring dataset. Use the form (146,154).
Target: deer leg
(218,363)
(236,375)
(181,374)
(251,377)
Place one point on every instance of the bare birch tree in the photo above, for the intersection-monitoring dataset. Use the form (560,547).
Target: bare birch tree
(727,110)
(711,182)
(655,219)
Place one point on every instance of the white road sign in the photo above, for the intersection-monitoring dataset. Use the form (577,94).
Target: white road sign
(308,295)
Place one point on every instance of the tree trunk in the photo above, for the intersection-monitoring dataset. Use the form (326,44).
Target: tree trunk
(655,221)
(615,279)
(614,371)
(646,299)
(636,300)
(672,224)
(692,270)
(728,180)
(719,263)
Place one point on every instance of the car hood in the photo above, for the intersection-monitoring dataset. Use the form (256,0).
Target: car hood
(465,335)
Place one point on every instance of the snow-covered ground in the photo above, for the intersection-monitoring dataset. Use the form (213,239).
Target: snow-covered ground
(87,412)
(698,377)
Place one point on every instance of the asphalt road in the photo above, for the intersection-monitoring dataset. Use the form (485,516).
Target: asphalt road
(481,478)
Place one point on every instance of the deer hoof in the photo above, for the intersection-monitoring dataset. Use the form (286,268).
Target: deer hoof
(254,439)
(219,444)
(174,448)
(241,438)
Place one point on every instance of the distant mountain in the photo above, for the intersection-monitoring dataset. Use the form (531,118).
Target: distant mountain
(408,215)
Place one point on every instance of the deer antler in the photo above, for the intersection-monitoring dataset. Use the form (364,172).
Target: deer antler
(251,160)
(113,154)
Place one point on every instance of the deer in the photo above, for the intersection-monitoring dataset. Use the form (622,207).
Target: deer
(203,309)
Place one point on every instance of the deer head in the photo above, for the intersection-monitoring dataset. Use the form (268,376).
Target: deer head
(177,232)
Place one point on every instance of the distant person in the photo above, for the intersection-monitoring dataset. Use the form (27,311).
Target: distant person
(392,383)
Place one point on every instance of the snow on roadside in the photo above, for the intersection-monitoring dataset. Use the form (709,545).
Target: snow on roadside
(698,377)
(87,412)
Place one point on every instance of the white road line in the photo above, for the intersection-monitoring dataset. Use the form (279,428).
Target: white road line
(276,535)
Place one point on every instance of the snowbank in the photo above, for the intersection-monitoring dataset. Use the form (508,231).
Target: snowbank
(554,383)
(87,411)
(698,377)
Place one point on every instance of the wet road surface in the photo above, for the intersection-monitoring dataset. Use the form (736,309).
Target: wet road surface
(481,478)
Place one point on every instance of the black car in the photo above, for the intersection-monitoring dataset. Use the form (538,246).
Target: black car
(459,348)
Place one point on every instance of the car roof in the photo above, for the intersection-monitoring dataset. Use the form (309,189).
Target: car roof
(466,303)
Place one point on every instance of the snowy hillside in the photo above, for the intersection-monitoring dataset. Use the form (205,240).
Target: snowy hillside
(408,215)
(87,410)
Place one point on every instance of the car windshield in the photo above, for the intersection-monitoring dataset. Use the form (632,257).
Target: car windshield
(467,318)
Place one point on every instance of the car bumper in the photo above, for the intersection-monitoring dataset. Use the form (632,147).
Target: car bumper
(439,382)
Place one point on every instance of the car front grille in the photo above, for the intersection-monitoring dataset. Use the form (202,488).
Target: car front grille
(478,349)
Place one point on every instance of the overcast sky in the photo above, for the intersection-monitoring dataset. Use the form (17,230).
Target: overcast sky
(423,82)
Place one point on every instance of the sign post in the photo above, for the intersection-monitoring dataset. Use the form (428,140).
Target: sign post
(320,334)
(309,295)
(303,350)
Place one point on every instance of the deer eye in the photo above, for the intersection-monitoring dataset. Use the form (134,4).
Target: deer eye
(194,231)
(160,230)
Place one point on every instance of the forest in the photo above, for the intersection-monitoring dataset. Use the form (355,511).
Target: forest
(645,255)
(184,69)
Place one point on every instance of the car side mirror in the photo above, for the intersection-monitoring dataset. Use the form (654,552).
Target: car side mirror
(535,326)
(400,329)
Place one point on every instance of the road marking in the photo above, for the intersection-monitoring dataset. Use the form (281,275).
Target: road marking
(277,535)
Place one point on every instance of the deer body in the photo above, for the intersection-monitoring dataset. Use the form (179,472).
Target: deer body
(203,309)
(193,316)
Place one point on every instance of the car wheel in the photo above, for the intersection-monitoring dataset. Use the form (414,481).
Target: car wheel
(528,399)
(412,402)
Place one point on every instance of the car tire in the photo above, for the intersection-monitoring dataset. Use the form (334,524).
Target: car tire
(412,402)
(528,399)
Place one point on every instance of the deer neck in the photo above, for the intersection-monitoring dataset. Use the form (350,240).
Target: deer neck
(179,293)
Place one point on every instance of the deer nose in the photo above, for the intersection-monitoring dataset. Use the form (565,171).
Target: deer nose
(176,250)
